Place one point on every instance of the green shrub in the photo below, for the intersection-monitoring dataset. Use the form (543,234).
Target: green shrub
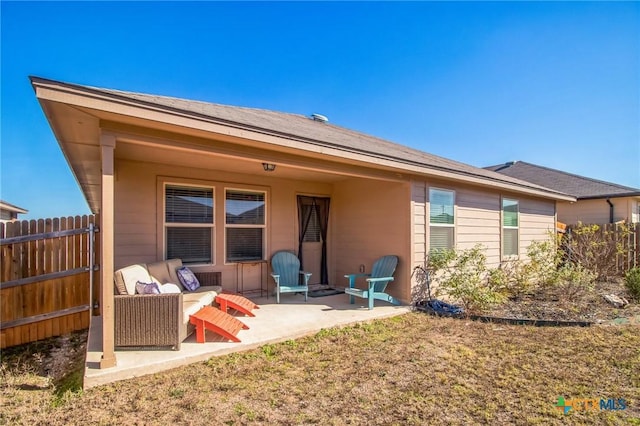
(427,275)
(539,270)
(518,280)
(544,258)
(466,280)
(632,281)
(574,281)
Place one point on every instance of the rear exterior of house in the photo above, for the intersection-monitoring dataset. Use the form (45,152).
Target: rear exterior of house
(368,218)
(224,188)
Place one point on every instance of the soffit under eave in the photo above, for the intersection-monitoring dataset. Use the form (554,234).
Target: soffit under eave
(77,134)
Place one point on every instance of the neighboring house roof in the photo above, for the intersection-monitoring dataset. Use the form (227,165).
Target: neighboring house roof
(578,186)
(293,130)
(12,208)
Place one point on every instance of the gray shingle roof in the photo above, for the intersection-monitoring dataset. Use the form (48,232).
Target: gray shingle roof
(311,131)
(302,129)
(579,186)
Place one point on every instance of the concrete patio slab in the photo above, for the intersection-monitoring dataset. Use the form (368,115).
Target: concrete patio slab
(292,318)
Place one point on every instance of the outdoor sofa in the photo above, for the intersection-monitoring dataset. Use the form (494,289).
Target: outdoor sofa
(160,320)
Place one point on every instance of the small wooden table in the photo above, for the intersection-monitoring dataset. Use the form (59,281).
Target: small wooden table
(237,302)
(210,318)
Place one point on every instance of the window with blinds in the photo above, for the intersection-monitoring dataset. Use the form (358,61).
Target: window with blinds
(510,227)
(188,222)
(245,225)
(441,219)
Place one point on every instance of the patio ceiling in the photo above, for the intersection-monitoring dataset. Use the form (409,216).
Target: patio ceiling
(204,160)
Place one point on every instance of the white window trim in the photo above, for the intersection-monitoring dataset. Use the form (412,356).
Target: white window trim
(263,226)
(507,257)
(443,225)
(165,224)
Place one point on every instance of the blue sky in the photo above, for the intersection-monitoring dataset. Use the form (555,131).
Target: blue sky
(554,84)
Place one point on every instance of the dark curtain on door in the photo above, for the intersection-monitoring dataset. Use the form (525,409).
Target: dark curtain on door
(319,206)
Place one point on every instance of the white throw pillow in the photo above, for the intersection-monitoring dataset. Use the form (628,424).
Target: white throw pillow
(169,288)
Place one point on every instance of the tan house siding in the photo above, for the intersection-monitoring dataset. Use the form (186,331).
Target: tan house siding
(478,222)
(595,211)
(537,221)
(365,230)
(135,218)
(419,208)
(635,210)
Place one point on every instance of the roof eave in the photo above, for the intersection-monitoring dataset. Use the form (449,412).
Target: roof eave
(605,196)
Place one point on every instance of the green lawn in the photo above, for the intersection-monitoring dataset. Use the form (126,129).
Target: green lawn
(412,369)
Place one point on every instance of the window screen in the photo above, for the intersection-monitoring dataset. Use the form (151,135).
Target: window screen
(510,223)
(441,219)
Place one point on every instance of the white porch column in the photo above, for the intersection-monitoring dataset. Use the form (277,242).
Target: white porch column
(107,144)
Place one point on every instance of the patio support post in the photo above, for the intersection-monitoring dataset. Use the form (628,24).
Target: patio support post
(107,144)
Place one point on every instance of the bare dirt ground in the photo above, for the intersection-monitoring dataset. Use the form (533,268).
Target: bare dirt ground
(573,304)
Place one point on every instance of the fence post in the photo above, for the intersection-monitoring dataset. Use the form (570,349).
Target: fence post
(91,264)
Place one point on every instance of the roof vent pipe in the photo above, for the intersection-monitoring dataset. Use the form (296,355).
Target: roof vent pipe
(319,117)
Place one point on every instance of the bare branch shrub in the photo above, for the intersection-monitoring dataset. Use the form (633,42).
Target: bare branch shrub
(595,248)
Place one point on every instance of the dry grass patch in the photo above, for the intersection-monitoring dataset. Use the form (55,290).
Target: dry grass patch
(411,369)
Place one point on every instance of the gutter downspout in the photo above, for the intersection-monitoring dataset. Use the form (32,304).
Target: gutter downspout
(610,210)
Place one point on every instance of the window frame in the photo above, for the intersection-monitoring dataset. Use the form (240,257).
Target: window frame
(504,227)
(262,226)
(166,225)
(442,225)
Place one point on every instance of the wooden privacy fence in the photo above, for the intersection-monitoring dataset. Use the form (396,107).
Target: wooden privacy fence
(617,243)
(46,285)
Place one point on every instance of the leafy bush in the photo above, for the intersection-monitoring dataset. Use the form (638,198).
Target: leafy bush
(427,274)
(544,258)
(524,277)
(574,281)
(467,280)
(517,279)
(632,281)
